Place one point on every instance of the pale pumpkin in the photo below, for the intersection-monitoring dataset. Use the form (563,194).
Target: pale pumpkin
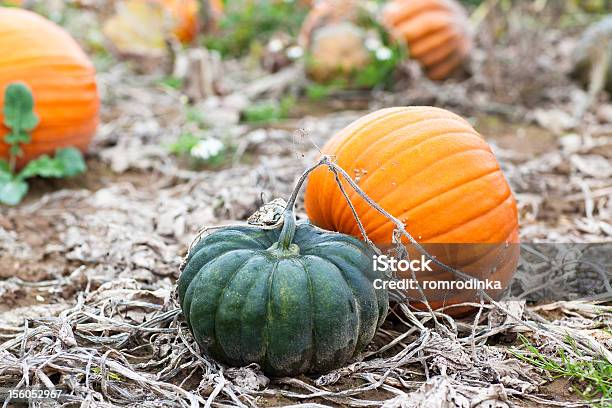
(334,43)
(436,33)
(429,168)
(337,50)
(324,13)
(37,52)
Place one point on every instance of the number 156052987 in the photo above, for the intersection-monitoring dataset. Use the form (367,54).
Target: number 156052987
(29,393)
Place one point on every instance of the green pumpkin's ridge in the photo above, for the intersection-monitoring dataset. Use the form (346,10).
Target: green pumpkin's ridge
(242,314)
(218,236)
(187,275)
(312,302)
(336,238)
(266,328)
(351,316)
(242,342)
(187,299)
(331,237)
(364,337)
(212,346)
(220,297)
(356,304)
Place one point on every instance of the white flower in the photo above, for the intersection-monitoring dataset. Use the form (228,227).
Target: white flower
(207,148)
(275,45)
(372,43)
(371,6)
(383,54)
(295,52)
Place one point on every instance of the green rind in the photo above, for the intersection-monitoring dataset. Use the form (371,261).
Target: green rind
(289,312)
(290,343)
(336,315)
(202,297)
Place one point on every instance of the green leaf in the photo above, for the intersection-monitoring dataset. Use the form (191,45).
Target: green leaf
(16,137)
(5,167)
(184,144)
(19,109)
(12,190)
(44,166)
(67,162)
(15,150)
(71,161)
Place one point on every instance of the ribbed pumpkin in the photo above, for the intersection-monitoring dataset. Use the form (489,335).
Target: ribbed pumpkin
(435,31)
(429,168)
(294,300)
(39,53)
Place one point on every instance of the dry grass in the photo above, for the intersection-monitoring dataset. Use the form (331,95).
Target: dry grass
(88,267)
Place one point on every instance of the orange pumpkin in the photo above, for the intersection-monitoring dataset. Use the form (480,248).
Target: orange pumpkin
(435,31)
(429,168)
(39,53)
(186,14)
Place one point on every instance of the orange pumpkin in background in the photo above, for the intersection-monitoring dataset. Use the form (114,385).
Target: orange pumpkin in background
(186,15)
(37,52)
(429,168)
(436,33)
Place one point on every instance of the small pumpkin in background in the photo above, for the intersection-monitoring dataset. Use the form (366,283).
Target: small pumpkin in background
(141,28)
(39,53)
(326,12)
(429,168)
(337,50)
(436,33)
(334,43)
(293,299)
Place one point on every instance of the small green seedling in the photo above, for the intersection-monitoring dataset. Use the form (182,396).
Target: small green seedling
(196,145)
(592,376)
(20,119)
(170,81)
(269,112)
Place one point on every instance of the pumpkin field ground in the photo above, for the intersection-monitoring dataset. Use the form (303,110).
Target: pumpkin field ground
(89,265)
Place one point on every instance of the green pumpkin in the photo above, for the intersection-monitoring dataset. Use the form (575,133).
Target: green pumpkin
(295,300)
